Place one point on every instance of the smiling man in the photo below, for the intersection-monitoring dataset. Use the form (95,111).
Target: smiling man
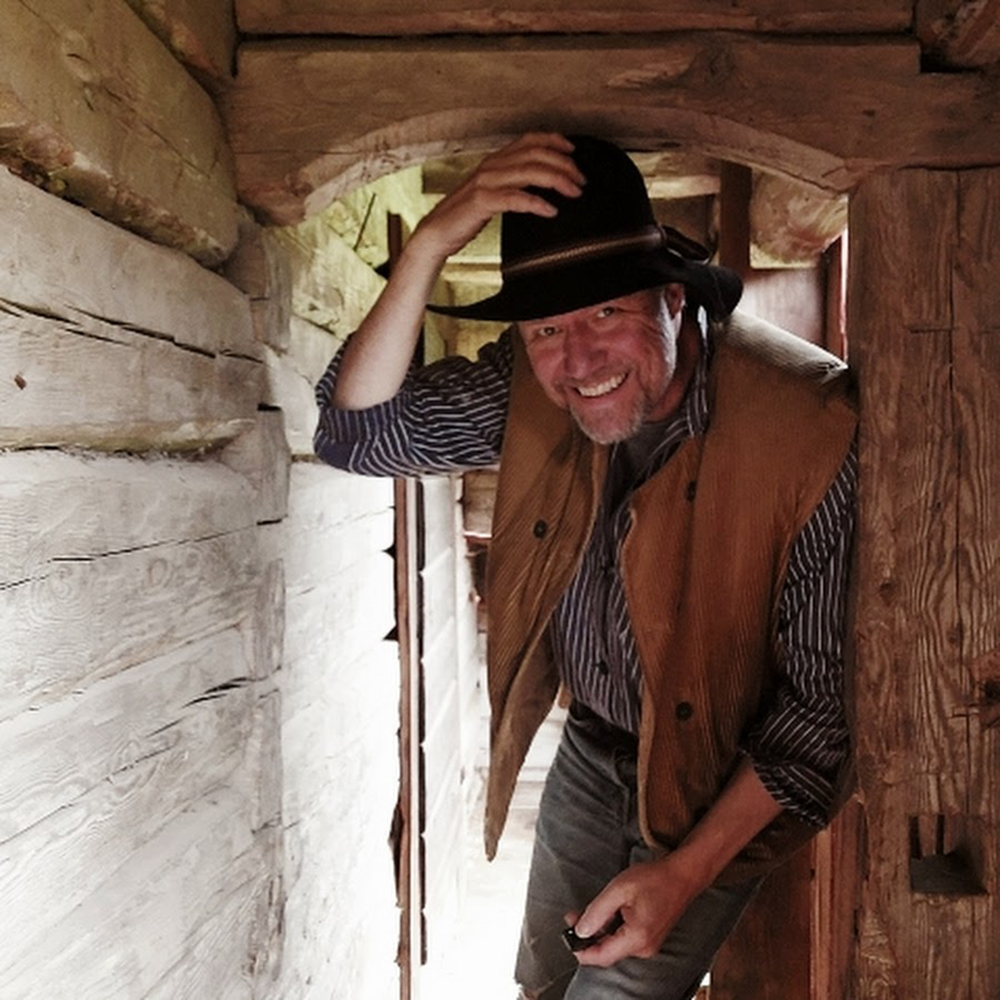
(670,547)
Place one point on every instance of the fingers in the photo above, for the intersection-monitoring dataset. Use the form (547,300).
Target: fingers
(541,160)
(500,184)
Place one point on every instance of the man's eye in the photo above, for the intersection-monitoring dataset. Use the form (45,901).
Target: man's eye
(546,331)
(605,311)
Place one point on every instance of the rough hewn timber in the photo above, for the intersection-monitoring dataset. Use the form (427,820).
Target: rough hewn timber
(59,259)
(962,33)
(94,106)
(309,120)
(390,17)
(201,33)
(85,383)
(926,344)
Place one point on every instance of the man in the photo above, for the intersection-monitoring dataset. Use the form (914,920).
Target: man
(670,544)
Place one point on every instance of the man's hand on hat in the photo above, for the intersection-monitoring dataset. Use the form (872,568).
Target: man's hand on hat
(498,184)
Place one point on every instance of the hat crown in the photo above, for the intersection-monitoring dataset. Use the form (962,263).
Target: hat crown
(614,202)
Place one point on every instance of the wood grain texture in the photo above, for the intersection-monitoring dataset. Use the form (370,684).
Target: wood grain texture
(77,621)
(62,508)
(92,384)
(96,108)
(201,34)
(380,17)
(59,259)
(927,561)
(309,120)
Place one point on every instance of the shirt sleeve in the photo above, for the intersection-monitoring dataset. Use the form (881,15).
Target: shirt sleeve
(446,417)
(800,745)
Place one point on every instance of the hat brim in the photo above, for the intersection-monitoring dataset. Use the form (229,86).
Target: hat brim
(557,291)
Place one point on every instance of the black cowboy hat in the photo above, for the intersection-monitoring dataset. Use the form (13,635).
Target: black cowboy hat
(602,245)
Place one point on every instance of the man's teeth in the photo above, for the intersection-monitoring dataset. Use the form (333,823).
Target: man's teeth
(602,387)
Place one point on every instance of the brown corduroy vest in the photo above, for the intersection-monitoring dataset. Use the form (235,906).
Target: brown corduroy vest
(703,567)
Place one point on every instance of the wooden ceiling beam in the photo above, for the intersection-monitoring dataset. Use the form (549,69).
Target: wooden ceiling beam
(390,17)
(309,120)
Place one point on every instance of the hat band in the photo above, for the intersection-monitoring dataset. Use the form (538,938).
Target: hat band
(649,238)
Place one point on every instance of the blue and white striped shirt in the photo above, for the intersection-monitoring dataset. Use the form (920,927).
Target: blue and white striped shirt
(450,416)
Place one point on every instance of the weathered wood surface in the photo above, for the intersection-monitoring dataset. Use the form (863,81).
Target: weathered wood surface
(60,508)
(95,107)
(93,784)
(201,33)
(332,287)
(291,377)
(959,33)
(259,266)
(926,349)
(340,710)
(91,384)
(263,457)
(311,119)
(111,342)
(71,617)
(58,259)
(379,17)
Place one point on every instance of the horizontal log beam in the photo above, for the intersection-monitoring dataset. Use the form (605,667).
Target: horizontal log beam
(93,106)
(309,120)
(382,17)
(59,259)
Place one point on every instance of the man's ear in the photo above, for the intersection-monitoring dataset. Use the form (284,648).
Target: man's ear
(673,295)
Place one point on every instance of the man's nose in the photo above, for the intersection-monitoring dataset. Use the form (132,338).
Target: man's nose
(581,350)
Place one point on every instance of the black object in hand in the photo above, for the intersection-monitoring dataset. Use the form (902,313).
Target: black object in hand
(576,943)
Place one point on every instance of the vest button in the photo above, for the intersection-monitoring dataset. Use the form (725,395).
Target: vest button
(692,488)
(540,529)
(602,668)
(684,710)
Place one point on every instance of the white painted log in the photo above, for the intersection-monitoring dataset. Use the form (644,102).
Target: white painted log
(63,508)
(59,259)
(96,385)
(77,621)
(377,17)
(374,108)
(201,33)
(97,108)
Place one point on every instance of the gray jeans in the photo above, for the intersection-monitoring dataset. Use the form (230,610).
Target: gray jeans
(587,832)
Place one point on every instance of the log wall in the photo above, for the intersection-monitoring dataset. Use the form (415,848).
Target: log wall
(198,685)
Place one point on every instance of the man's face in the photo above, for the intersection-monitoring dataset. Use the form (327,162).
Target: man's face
(610,365)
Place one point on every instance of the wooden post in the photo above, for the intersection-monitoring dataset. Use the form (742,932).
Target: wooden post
(923,308)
